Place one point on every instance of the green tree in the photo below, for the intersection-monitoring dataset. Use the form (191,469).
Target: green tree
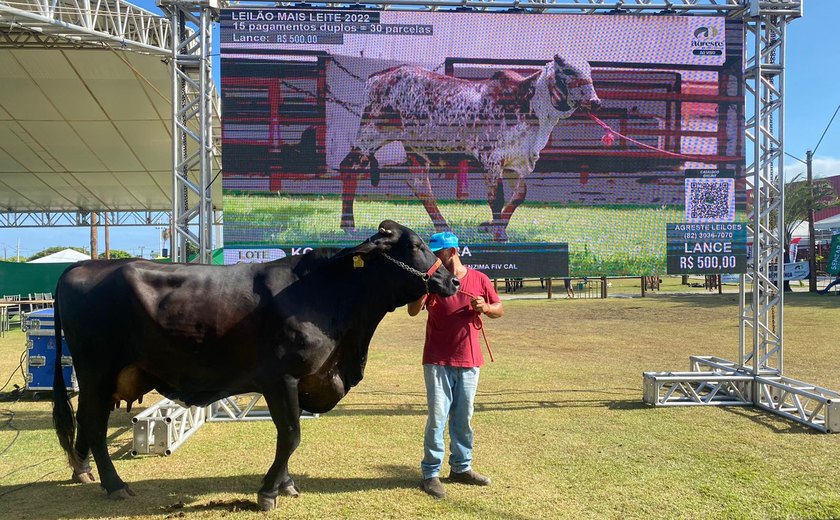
(798,198)
(56,249)
(116,254)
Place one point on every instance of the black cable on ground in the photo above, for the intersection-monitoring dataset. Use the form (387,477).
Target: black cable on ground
(15,394)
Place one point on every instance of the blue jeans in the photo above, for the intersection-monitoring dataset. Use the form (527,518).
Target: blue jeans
(450,392)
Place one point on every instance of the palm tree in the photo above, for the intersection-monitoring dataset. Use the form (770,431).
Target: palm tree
(798,198)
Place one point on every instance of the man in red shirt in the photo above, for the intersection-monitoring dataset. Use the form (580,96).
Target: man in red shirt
(451,360)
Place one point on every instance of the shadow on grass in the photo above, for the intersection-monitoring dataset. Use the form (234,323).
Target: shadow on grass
(771,421)
(500,401)
(792,299)
(33,420)
(155,496)
(629,404)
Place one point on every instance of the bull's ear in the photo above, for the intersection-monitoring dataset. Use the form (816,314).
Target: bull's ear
(387,236)
(388,228)
(559,61)
(365,247)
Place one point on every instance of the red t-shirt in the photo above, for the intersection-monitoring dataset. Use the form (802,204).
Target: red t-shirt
(451,332)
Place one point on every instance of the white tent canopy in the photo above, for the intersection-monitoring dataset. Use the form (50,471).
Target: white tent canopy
(827,223)
(86,108)
(63,256)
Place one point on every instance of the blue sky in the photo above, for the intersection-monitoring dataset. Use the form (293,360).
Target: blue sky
(812,96)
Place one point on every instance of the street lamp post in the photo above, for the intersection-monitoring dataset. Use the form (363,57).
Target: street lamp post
(812,244)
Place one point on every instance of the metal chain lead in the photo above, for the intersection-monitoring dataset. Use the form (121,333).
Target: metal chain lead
(408,268)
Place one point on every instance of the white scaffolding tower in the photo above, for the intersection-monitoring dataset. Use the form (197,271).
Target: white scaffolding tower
(194,101)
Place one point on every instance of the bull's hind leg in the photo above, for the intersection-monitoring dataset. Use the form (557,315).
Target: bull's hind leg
(418,181)
(349,180)
(82,473)
(94,410)
(285,412)
(350,170)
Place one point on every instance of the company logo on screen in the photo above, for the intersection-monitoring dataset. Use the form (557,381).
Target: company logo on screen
(705,33)
(706,42)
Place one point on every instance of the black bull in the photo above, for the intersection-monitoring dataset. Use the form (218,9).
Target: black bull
(296,330)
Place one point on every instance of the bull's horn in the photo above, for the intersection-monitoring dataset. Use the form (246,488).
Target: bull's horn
(386,231)
(558,59)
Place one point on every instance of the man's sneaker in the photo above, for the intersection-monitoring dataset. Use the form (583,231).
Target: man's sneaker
(434,487)
(469,477)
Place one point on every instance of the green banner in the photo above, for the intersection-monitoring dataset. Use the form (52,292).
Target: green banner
(25,279)
(833,266)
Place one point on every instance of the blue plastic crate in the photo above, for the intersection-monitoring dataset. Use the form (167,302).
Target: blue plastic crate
(40,358)
(40,319)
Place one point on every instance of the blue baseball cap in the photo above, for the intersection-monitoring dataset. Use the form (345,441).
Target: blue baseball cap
(443,240)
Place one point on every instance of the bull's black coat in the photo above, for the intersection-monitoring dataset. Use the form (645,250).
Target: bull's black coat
(296,330)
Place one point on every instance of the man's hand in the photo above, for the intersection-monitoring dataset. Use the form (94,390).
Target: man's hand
(492,310)
(479,305)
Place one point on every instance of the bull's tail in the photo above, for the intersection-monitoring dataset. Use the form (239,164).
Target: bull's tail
(63,420)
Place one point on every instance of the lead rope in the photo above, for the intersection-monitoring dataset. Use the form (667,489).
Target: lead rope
(479,324)
(610,134)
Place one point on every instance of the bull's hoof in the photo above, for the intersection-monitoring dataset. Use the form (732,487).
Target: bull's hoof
(490,226)
(121,494)
(85,477)
(289,489)
(266,503)
(500,236)
(498,232)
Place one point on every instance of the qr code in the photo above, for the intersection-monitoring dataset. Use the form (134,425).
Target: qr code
(709,200)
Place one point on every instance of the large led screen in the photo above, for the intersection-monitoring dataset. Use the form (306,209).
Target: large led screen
(552,145)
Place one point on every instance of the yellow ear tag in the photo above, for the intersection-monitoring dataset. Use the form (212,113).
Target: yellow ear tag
(358,262)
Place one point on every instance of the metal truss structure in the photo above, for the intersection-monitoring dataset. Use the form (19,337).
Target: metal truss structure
(194,100)
(116,24)
(73,24)
(238,408)
(245,407)
(31,219)
(164,426)
(756,378)
(709,381)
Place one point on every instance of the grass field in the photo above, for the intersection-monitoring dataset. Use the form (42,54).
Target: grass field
(560,426)
(603,240)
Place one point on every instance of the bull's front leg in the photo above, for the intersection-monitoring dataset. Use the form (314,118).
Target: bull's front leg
(283,404)
(518,191)
(496,200)
(420,184)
